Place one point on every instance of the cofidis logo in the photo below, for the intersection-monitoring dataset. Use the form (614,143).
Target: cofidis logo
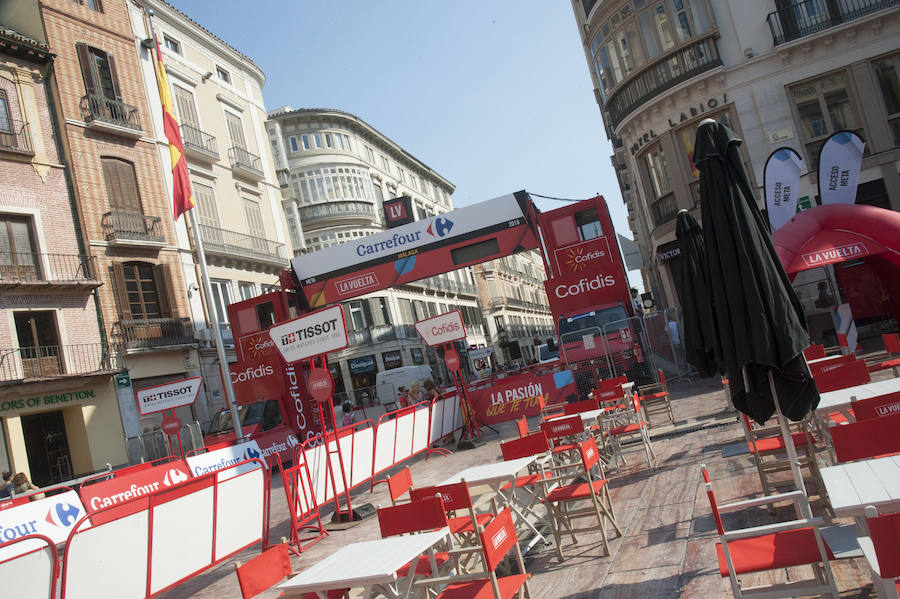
(578,259)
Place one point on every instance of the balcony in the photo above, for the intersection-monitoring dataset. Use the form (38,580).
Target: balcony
(245,164)
(382,333)
(813,16)
(662,74)
(54,361)
(132,228)
(199,145)
(316,213)
(232,244)
(45,272)
(17,139)
(153,333)
(110,116)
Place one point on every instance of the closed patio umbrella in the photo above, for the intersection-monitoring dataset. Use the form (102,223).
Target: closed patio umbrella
(760,325)
(693,292)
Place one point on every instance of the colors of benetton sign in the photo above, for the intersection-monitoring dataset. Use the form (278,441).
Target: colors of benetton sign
(835,254)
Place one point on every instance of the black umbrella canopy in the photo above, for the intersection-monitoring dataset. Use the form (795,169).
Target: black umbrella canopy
(693,292)
(760,325)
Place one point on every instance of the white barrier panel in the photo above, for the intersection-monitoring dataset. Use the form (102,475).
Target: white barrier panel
(218,459)
(421,432)
(27,568)
(385,437)
(182,536)
(403,445)
(363,452)
(54,517)
(237,497)
(306,502)
(315,459)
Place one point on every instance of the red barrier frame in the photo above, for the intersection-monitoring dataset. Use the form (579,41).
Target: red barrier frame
(54,576)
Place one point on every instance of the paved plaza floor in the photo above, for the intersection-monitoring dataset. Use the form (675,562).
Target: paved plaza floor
(668,543)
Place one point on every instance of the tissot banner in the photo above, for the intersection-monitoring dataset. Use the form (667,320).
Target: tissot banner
(839,165)
(514,397)
(782,182)
(311,335)
(169,395)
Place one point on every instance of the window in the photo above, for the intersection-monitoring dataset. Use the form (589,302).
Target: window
(292,142)
(385,164)
(255,225)
(317,141)
(17,250)
(207,213)
(402,174)
(98,69)
(588,225)
(304,139)
(370,155)
(823,107)
(143,290)
(223,75)
(39,342)
(172,44)
(187,110)
(220,299)
(360,315)
(329,142)
(886,73)
(121,185)
(91,4)
(248,290)
(5,120)
(658,169)
(235,130)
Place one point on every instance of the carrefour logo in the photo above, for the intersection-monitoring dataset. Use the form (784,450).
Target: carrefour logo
(440,227)
(63,515)
(251,454)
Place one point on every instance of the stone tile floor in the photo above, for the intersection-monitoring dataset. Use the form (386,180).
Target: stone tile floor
(668,545)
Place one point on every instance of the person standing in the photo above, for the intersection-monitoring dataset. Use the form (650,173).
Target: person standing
(22,485)
(6,486)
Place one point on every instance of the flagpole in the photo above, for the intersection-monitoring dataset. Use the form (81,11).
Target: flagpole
(224,370)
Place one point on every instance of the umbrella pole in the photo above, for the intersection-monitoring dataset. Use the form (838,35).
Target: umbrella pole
(791,450)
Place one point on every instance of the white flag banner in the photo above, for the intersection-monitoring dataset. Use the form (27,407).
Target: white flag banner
(839,165)
(782,181)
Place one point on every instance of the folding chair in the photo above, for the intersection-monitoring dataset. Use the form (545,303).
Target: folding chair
(497,539)
(814,351)
(882,552)
(628,424)
(891,351)
(594,489)
(876,407)
(820,368)
(562,434)
(866,439)
(769,452)
(772,547)
(399,485)
(522,425)
(534,444)
(846,375)
(418,516)
(655,398)
(456,498)
(268,569)
(550,411)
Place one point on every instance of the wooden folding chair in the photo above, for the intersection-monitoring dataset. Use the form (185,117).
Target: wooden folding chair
(814,351)
(890,358)
(594,489)
(820,368)
(865,439)
(534,444)
(268,569)
(655,399)
(399,485)
(769,452)
(876,407)
(846,375)
(625,425)
(882,552)
(563,435)
(550,411)
(497,539)
(772,547)
(522,425)
(456,500)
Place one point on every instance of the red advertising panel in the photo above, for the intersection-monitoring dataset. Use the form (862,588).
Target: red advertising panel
(133,484)
(578,293)
(514,397)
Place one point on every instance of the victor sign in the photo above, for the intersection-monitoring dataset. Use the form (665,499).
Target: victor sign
(442,329)
(311,335)
(168,396)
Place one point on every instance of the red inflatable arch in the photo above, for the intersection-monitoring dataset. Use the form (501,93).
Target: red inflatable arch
(835,233)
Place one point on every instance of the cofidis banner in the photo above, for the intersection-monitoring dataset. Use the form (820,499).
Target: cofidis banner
(782,182)
(839,165)
(514,397)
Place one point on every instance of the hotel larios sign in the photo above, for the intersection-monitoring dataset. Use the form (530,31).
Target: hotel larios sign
(835,254)
(686,115)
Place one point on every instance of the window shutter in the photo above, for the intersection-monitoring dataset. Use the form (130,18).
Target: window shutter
(117,271)
(114,76)
(84,59)
(162,278)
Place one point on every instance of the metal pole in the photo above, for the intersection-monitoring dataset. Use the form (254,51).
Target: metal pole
(789,447)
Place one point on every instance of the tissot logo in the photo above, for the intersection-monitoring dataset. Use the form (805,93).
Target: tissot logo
(356,283)
(167,394)
(578,260)
(440,227)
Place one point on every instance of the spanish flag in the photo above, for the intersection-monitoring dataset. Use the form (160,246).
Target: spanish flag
(184,198)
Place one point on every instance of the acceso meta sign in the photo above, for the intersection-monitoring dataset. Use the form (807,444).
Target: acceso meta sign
(169,395)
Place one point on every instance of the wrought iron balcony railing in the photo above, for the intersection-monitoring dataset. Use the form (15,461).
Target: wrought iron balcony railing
(232,242)
(16,138)
(99,109)
(336,210)
(245,161)
(154,332)
(28,267)
(661,74)
(812,16)
(132,226)
(199,141)
(47,361)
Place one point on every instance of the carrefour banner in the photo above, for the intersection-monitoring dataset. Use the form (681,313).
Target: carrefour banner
(218,459)
(514,397)
(782,182)
(839,165)
(52,517)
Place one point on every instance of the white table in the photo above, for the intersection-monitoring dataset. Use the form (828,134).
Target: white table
(824,360)
(842,399)
(854,485)
(371,565)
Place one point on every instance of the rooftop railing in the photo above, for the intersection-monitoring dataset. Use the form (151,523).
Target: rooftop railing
(812,16)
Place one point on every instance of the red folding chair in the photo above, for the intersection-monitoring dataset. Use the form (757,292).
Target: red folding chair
(626,425)
(497,539)
(772,547)
(562,434)
(577,407)
(268,569)
(593,489)
(876,407)
(417,516)
(522,425)
(534,444)
(456,499)
(882,552)
(769,452)
(866,439)
(655,398)
(820,368)
(399,485)
(814,351)
(846,375)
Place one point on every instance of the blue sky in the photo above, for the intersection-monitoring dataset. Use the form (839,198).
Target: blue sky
(493,95)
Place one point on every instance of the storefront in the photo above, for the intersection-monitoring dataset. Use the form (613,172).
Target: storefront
(56,431)
(392,359)
(362,371)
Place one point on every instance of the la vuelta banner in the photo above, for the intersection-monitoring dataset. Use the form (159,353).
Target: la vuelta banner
(782,183)
(514,397)
(839,165)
